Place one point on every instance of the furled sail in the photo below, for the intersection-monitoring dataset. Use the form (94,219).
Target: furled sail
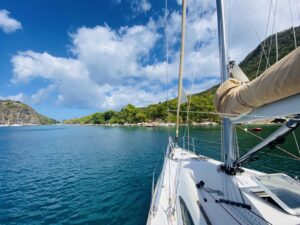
(281,80)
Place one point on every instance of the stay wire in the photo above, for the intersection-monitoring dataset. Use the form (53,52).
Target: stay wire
(263,45)
(287,152)
(271,38)
(296,142)
(256,33)
(292,20)
(167,57)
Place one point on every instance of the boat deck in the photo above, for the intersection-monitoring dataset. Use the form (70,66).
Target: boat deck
(221,199)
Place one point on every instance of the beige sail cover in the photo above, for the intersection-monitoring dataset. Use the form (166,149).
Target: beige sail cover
(280,81)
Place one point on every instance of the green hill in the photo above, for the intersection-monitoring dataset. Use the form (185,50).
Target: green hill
(15,112)
(201,102)
(156,112)
(285,45)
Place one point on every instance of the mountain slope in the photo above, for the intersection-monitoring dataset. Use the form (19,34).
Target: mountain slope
(201,102)
(285,45)
(15,112)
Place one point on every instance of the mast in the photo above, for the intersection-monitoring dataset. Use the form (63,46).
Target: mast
(229,154)
(181,67)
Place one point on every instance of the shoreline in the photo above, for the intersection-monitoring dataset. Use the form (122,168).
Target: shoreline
(150,124)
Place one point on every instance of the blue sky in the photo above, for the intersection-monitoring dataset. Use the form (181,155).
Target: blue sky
(70,58)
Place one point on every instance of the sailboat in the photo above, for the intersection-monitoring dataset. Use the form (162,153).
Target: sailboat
(195,189)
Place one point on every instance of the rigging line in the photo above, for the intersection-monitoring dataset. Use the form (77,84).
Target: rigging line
(230,188)
(229,114)
(287,152)
(167,85)
(253,27)
(188,109)
(281,156)
(236,189)
(206,141)
(270,168)
(297,4)
(229,28)
(269,50)
(167,56)
(223,206)
(296,141)
(276,33)
(274,27)
(237,144)
(264,43)
(272,32)
(198,146)
(190,99)
(294,33)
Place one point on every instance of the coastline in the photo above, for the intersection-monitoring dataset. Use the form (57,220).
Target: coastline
(147,124)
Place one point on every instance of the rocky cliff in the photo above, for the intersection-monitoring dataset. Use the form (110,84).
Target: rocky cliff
(15,112)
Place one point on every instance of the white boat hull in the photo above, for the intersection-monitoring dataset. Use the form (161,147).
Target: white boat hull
(182,170)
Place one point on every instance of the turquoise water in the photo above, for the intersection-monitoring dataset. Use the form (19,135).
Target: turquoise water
(88,174)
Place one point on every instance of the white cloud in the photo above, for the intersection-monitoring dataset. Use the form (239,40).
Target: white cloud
(42,94)
(7,23)
(249,17)
(18,97)
(70,77)
(131,95)
(110,68)
(29,65)
(111,55)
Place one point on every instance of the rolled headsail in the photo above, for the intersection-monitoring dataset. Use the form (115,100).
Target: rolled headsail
(281,80)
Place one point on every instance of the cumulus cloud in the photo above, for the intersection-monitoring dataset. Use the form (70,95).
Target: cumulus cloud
(8,24)
(110,68)
(42,94)
(114,54)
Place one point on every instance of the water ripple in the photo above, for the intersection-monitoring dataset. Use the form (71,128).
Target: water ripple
(82,175)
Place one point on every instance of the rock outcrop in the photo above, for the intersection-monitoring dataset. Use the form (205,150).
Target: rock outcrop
(15,112)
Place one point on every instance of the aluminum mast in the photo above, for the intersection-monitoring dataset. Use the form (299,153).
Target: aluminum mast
(229,153)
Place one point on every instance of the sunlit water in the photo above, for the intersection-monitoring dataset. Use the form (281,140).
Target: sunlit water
(93,174)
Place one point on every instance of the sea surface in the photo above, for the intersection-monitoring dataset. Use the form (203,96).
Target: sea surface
(99,175)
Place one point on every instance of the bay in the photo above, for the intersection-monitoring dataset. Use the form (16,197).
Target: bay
(95,174)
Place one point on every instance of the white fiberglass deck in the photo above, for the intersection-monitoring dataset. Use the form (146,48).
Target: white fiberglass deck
(209,204)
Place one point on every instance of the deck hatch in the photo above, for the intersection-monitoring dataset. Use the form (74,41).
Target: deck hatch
(284,190)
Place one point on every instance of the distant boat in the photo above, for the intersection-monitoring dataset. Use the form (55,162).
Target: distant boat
(256,129)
